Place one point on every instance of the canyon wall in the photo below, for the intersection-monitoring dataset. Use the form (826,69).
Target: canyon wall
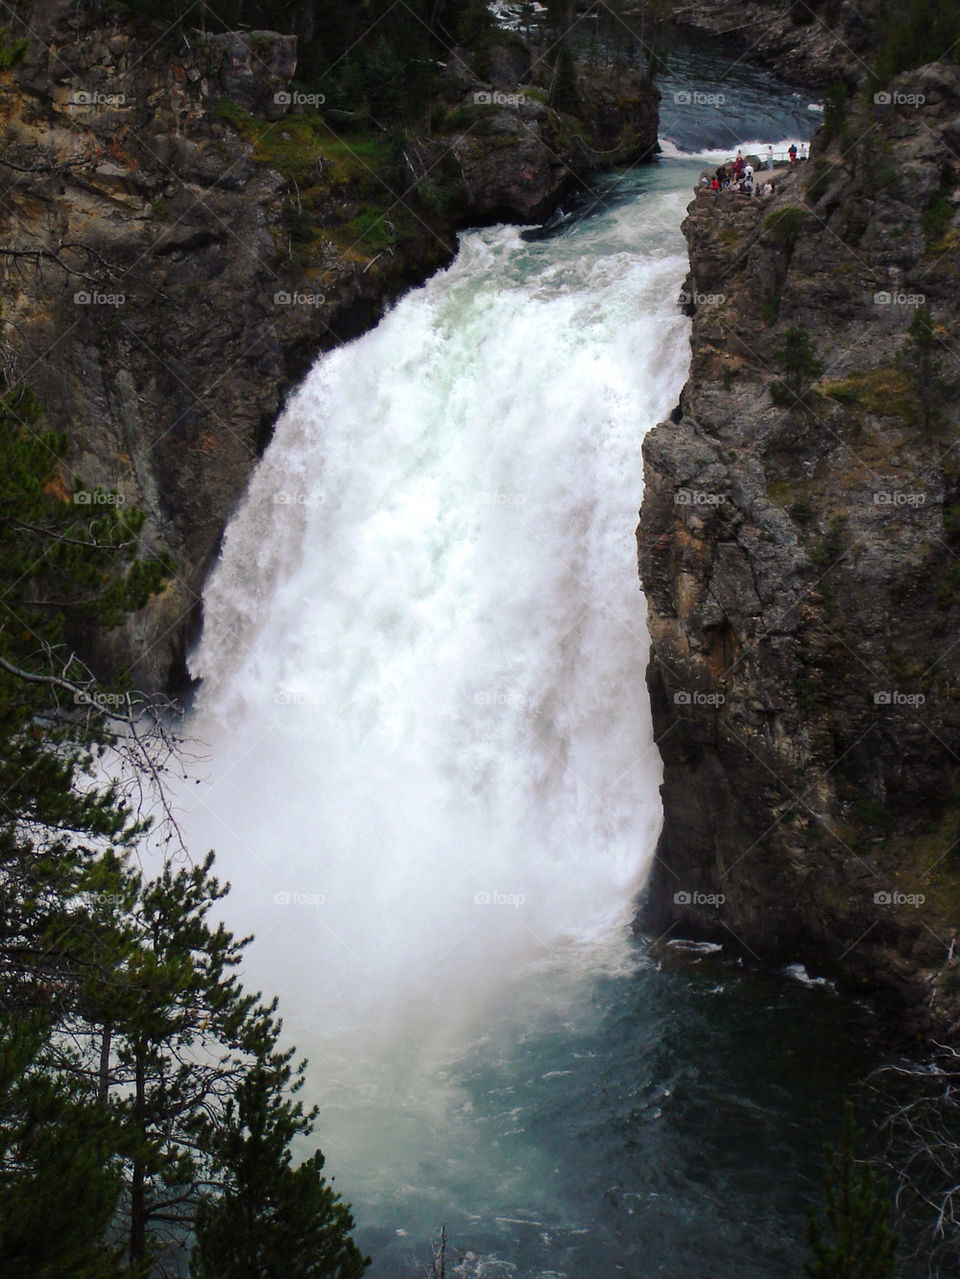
(182,232)
(799,548)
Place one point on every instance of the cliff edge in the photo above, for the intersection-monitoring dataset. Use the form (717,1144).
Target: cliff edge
(799,547)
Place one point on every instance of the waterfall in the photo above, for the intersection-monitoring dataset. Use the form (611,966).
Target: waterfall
(424,644)
(430,772)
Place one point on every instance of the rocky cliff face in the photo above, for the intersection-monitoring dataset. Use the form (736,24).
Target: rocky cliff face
(800,551)
(810,44)
(181,233)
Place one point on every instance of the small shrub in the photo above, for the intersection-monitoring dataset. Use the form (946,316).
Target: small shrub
(834,111)
(843,392)
(937,220)
(819,180)
(831,545)
(802,511)
(783,226)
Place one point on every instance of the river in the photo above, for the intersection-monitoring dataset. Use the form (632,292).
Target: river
(432,782)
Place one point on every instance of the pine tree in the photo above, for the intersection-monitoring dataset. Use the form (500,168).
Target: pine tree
(800,364)
(564,95)
(124,1031)
(854,1239)
(67,568)
(177,1030)
(58,1187)
(271,1220)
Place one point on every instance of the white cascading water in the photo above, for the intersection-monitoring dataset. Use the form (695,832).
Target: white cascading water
(431,763)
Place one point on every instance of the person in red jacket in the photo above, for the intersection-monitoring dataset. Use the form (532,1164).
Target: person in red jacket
(792,153)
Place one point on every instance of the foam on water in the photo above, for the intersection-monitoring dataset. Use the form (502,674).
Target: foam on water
(424,645)
(720,155)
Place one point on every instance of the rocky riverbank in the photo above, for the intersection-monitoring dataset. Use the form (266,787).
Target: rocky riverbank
(800,552)
(181,233)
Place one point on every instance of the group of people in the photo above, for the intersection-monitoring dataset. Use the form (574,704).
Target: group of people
(739,174)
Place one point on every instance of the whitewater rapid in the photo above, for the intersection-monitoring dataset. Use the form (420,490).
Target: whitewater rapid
(430,773)
(424,644)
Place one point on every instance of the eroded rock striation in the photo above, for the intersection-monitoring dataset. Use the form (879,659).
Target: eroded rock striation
(799,548)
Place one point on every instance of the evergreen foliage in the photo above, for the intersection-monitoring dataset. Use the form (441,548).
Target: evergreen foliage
(853,1239)
(128,1049)
(914,32)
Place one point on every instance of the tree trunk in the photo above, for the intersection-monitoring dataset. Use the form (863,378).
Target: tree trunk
(103,1086)
(138,1196)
